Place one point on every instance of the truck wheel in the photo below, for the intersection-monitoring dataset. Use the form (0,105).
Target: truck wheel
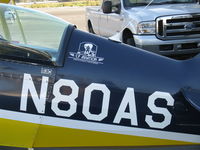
(127,37)
(130,41)
(90,28)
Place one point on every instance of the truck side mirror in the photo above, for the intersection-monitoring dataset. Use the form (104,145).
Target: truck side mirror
(107,7)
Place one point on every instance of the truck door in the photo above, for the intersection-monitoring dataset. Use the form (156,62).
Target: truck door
(28,52)
(103,20)
(115,19)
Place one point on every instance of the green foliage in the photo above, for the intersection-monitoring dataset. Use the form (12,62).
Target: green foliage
(63,4)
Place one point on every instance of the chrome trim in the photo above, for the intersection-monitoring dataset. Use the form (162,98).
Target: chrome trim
(178,27)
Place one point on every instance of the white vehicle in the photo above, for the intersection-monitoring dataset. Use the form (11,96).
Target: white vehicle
(167,27)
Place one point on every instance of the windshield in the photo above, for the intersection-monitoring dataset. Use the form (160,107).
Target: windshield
(31,30)
(135,3)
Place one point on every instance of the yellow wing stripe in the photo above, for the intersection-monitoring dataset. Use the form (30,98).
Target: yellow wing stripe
(17,133)
(23,134)
(64,137)
(4,1)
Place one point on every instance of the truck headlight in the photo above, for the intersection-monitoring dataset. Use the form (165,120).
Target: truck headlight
(146,27)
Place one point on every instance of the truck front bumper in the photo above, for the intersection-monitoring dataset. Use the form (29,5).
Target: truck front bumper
(168,47)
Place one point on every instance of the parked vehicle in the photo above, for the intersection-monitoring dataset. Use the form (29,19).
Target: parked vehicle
(167,27)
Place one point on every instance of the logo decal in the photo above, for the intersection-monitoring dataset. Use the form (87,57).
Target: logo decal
(190,27)
(87,52)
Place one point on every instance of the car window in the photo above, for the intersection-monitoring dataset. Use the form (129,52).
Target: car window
(32,31)
(116,6)
(1,31)
(115,2)
(13,26)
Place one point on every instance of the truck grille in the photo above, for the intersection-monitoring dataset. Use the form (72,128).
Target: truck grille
(178,27)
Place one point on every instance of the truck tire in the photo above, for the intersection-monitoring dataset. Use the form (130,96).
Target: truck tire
(90,28)
(130,41)
(128,37)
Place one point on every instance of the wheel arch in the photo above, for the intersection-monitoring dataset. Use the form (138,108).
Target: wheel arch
(90,26)
(127,33)
(89,23)
(127,37)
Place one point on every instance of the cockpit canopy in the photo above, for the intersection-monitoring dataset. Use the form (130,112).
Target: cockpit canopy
(24,32)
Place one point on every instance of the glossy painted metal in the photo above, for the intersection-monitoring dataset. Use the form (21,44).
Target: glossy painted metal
(117,67)
(4,1)
(124,67)
(113,148)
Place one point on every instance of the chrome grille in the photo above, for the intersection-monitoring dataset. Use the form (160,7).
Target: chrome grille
(178,27)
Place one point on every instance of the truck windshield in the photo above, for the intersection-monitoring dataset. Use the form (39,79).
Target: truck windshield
(135,3)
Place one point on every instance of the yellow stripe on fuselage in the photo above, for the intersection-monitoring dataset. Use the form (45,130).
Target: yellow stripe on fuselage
(23,134)
(17,133)
(64,137)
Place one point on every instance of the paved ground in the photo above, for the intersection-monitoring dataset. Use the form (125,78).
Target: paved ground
(74,15)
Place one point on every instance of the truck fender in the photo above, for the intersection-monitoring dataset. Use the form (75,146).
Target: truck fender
(127,37)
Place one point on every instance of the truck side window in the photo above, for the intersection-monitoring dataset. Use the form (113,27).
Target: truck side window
(1,30)
(30,35)
(116,6)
